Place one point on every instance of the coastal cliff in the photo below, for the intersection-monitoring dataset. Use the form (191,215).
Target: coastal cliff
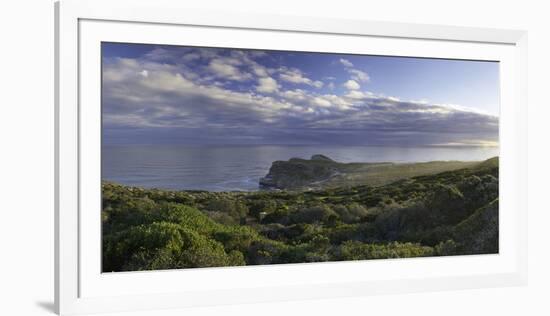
(321,171)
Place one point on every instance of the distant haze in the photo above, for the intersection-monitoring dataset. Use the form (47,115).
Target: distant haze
(157,94)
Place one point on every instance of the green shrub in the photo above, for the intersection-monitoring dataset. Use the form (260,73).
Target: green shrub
(258,207)
(234,208)
(314,214)
(161,245)
(446,248)
(355,250)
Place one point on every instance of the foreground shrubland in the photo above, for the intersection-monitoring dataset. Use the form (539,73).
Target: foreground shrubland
(449,213)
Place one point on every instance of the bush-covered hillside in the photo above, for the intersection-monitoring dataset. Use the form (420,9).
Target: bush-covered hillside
(450,213)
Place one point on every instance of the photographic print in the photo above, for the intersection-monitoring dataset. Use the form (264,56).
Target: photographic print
(215,157)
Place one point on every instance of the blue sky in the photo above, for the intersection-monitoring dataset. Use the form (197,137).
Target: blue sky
(188,95)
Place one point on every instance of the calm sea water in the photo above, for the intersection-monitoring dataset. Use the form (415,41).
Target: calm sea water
(229,168)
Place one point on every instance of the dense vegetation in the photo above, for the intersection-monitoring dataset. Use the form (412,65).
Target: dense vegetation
(449,213)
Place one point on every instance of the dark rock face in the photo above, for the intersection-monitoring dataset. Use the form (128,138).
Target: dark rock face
(300,173)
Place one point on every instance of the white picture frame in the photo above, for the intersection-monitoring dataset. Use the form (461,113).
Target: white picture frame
(80,287)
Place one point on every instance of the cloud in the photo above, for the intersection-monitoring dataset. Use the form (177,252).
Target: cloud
(469,143)
(296,95)
(293,76)
(190,57)
(226,68)
(359,75)
(296,76)
(176,54)
(317,84)
(321,102)
(358,95)
(267,85)
(351,85)
(345,62)
(150,98)
(391,98)
(168,99)
(259,70)
(355,74)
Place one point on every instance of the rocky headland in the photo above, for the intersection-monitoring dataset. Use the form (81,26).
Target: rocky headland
(321,171)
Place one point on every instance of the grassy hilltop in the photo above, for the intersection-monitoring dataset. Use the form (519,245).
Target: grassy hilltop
(445,213)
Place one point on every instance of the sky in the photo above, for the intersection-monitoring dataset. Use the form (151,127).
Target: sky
(212,96)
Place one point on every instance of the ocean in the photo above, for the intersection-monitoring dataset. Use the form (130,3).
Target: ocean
(238,168)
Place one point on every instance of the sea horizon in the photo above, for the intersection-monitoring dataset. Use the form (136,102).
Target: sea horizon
(232,167)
